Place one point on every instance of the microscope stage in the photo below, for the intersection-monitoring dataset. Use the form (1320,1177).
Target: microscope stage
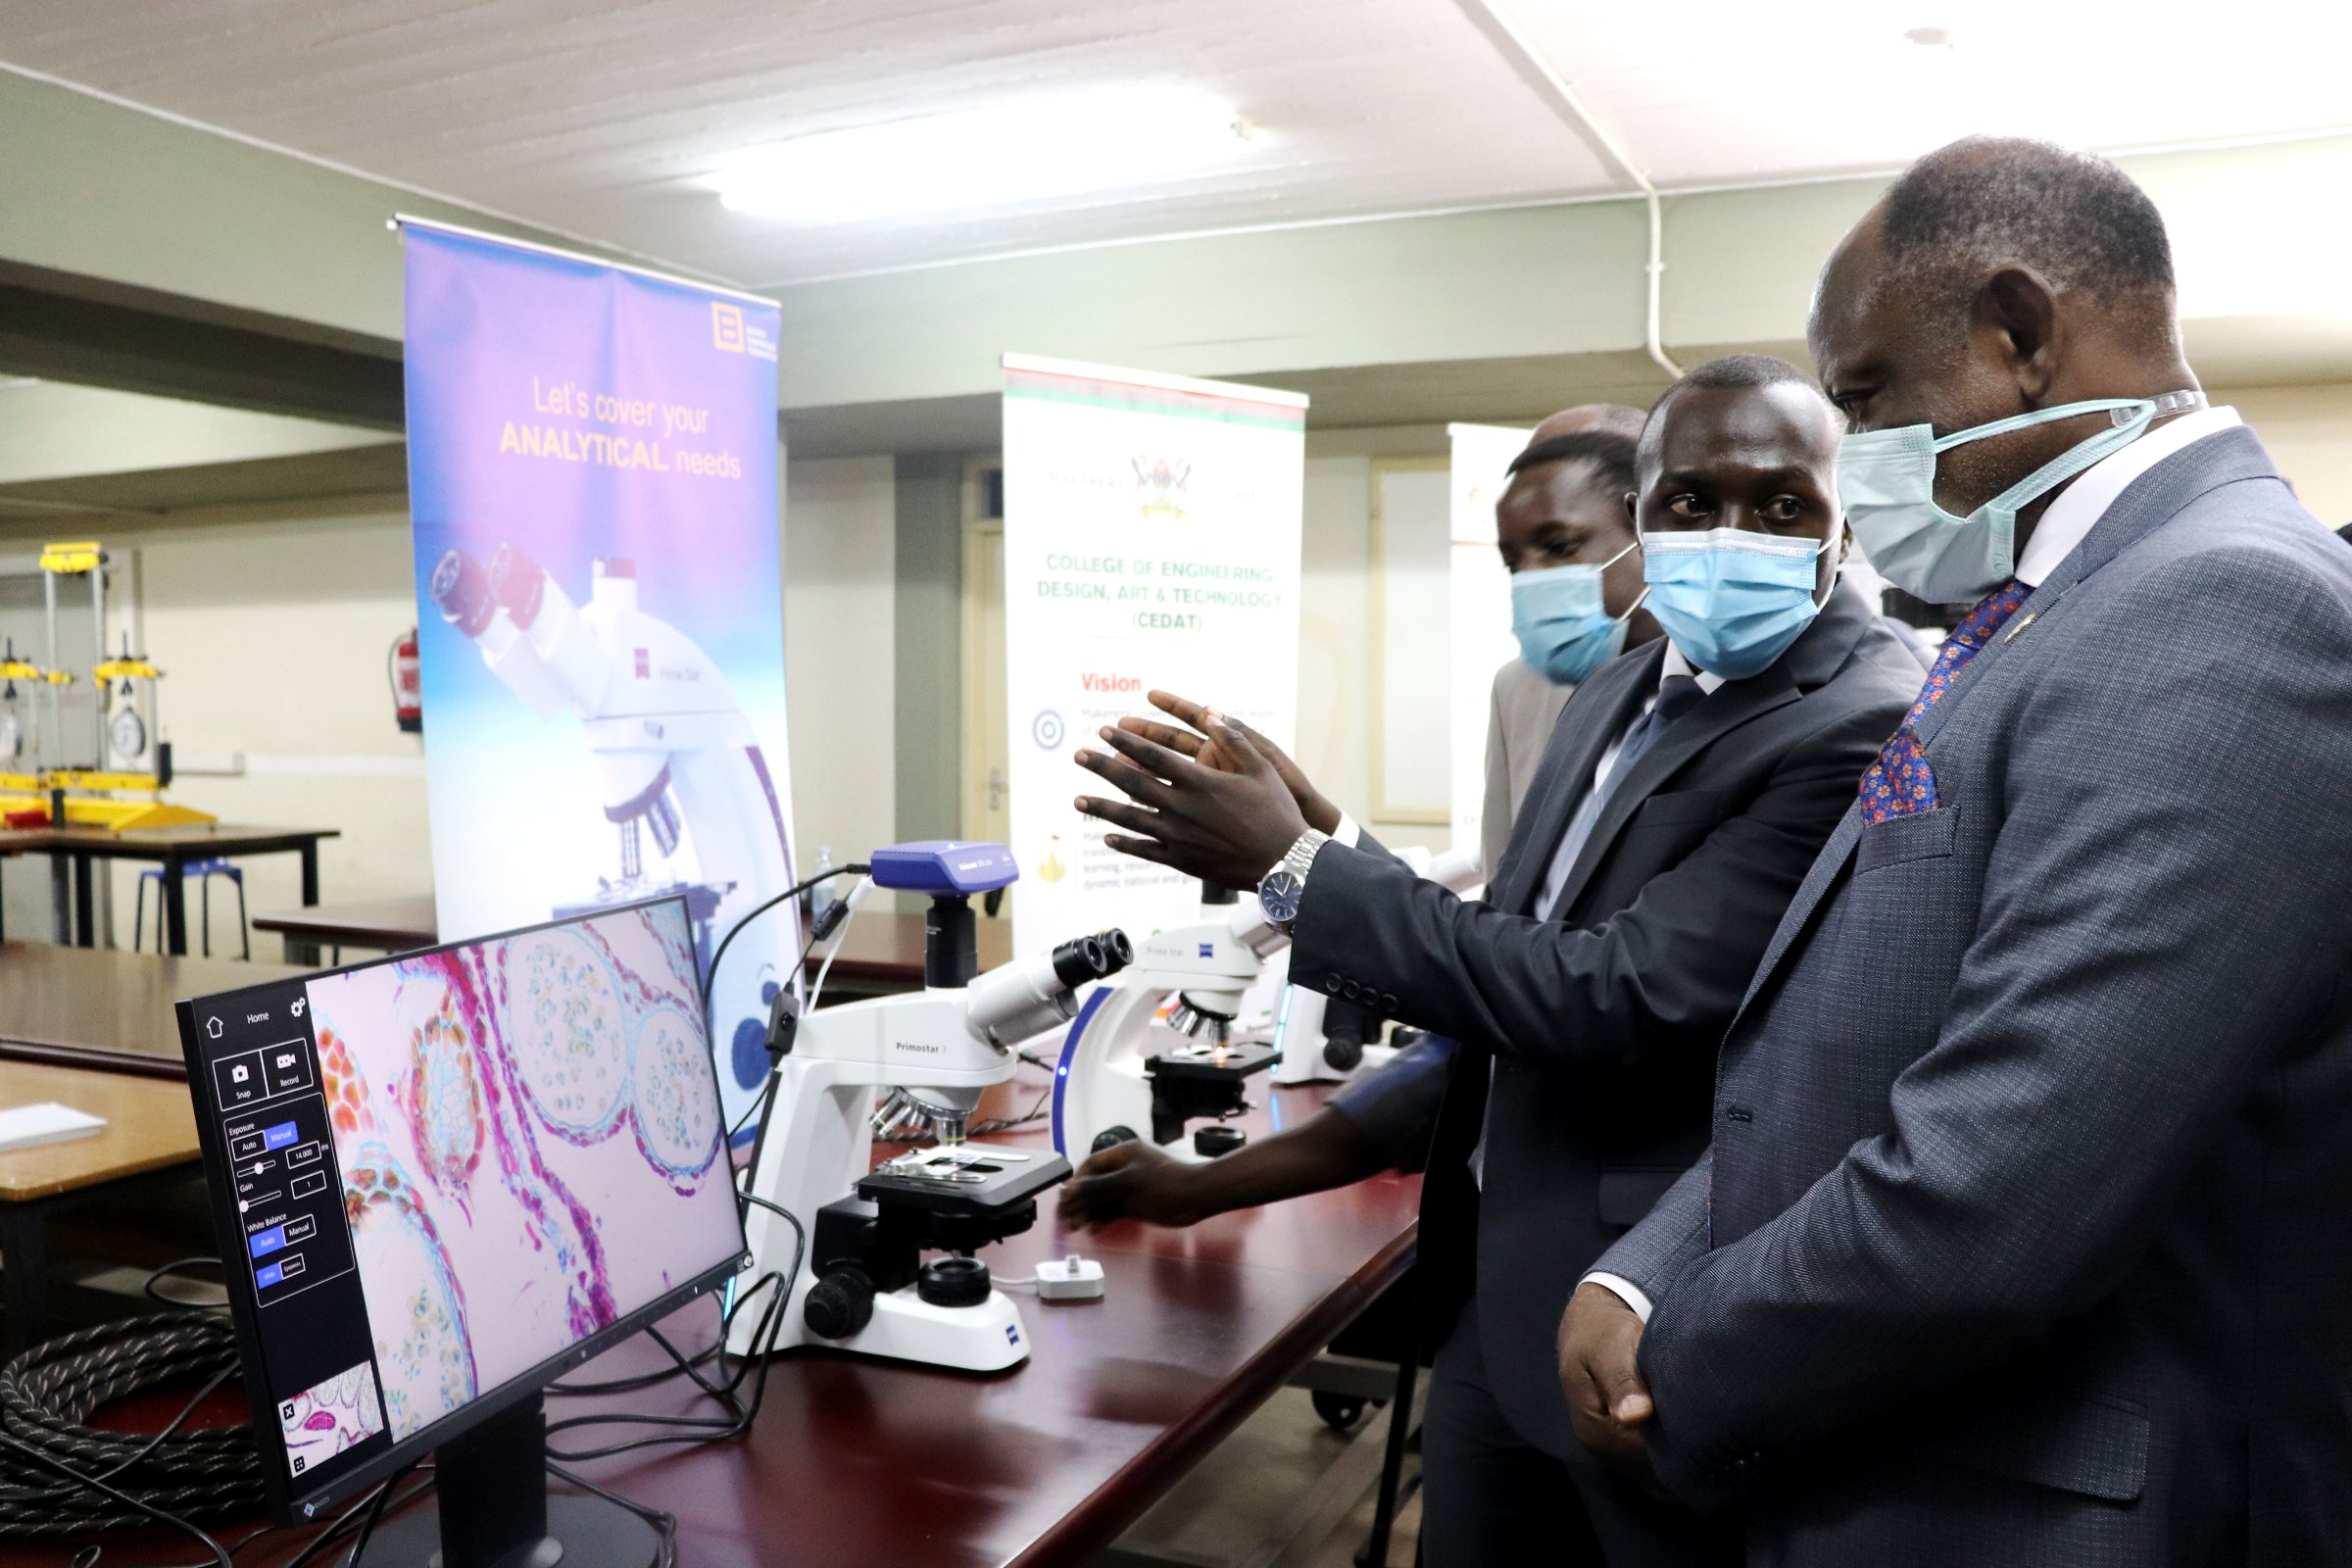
(965,1178)
(1232,1062)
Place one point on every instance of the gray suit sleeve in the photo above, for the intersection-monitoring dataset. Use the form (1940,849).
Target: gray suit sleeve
(1671,1237)
(2134,966)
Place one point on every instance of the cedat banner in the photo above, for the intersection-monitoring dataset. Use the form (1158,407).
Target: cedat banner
(1480,607)
(1150,540)
(592,484)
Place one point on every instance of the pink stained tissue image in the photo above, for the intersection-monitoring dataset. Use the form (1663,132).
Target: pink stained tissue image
(321,1422)
(531,1141)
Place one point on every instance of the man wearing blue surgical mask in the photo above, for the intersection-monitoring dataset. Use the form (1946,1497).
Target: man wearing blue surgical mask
(1576,591)
(2019,1237)
(1580,1002)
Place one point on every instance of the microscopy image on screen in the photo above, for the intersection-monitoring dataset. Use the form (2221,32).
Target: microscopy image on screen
(321,1422)
(531,1141)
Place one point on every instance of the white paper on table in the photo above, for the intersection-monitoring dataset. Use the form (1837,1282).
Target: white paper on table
(30,1126)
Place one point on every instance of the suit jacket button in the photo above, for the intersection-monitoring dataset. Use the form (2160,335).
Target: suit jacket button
(1330,984)
(1350,990)
(1388,1002)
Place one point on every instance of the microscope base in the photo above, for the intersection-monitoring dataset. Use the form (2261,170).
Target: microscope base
(988,1337)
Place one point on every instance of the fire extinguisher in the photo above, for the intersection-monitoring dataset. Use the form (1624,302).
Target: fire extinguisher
(408,688)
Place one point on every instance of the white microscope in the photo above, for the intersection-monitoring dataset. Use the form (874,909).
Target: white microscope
(673,753)
(862,1285)
(1156,1050)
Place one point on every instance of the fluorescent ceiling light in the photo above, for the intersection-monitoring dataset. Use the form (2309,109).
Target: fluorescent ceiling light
(1000,157)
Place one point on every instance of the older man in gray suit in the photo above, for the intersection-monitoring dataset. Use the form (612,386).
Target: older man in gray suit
(2023,1237)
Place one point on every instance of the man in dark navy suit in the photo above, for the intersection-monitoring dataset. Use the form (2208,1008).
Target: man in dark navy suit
(1685,787)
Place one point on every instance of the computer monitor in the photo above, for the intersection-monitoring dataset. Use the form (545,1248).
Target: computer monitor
(448,1176)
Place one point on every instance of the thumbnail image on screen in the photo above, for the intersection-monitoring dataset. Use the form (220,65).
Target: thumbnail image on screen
(321,1422)
(529,1134)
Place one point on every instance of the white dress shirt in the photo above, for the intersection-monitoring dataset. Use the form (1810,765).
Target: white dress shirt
(2064,525)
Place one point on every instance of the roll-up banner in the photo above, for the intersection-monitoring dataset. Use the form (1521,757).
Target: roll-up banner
(1152,528)
(592,484)
(1481,603)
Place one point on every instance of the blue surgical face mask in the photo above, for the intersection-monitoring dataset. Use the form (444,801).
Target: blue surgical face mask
(1731,600)
(1887,480)
(1564,628)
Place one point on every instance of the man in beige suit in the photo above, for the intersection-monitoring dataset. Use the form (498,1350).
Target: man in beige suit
(1547,506)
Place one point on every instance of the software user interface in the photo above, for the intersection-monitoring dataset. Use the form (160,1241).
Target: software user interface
(451,1167)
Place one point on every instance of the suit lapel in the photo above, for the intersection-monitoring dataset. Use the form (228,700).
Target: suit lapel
(1809,662)
(1727,709)
(1595,717)
(1809,894)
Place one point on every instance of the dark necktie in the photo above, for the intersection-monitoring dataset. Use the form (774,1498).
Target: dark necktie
(1900,783)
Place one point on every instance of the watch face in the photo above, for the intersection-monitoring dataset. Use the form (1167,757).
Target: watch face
(1277,894)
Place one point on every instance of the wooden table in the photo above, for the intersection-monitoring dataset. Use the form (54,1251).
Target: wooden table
(381,925)
(859,1462)
(883,953)
(73,849)
(106,1009)
(150,1128)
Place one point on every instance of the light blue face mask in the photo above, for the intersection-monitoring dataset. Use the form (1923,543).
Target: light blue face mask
(1564,628)
(1732,600)
(1887,481)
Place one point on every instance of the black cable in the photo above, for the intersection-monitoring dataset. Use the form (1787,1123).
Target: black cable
(376,1511)
(711,975)
(161,1516)
(118,1480)
(147,1284)
(711,1429)
(664,1524)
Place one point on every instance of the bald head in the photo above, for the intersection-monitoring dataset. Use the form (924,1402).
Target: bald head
(1998,278)
(1607,419)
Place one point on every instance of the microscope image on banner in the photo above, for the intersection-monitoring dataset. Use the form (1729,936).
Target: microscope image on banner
(593,486)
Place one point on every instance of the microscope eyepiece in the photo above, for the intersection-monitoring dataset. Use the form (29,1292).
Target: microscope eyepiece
(1081,959)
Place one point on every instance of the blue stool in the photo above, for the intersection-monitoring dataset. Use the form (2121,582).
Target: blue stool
(204,871)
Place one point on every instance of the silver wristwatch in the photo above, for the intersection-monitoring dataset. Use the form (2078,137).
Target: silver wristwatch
(1279,890)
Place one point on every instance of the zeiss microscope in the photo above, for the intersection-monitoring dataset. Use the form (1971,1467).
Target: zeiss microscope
(674,757)
(862,1285)
(1156,1050)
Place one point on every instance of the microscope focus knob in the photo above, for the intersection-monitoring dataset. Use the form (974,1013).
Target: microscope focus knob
(838,1304)
(952,1282)
(1217,1138)
(1111,1138)
(1343,1055)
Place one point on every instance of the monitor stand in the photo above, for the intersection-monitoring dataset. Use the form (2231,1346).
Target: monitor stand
(493,1510)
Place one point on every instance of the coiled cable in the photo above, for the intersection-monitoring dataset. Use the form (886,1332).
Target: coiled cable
(119,1481)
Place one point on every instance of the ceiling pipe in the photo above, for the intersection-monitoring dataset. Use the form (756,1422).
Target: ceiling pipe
(1572,107)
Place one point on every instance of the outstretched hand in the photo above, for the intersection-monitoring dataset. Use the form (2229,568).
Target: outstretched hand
(1225,820)
(1194,743)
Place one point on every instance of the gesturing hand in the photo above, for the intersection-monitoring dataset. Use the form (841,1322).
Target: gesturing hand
(1228,827)
(1607,1402)
(1312,805)
(1133,1179)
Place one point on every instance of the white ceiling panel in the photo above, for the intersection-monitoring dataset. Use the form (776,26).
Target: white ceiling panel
(608,118)
(1723,92)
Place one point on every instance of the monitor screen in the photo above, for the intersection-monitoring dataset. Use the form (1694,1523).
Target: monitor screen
(451,1174)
